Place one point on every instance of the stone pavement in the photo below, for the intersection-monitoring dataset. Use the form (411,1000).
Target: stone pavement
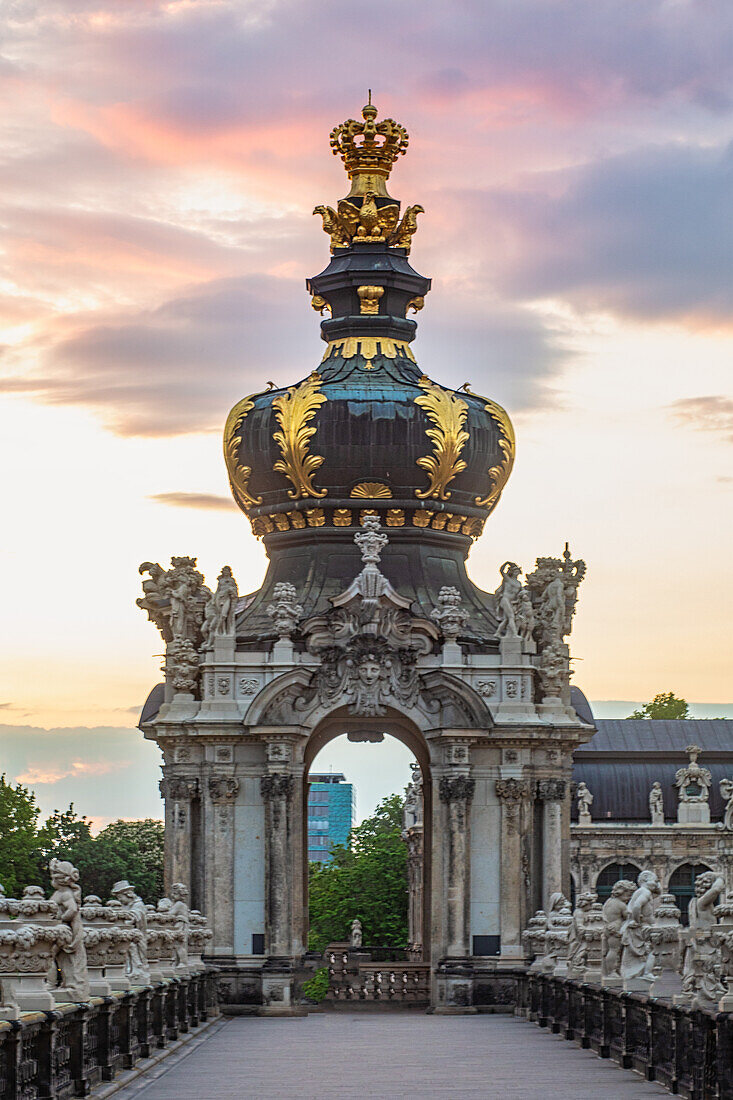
(379,1055)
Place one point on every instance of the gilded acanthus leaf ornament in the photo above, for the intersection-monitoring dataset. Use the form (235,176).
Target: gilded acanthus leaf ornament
(239,475)
(448,413)
(294,411)
(507,445)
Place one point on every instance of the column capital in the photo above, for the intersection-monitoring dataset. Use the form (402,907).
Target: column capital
(551,790)
(179,788)
(223,788)
(456,788)
(277,785)
(512,790)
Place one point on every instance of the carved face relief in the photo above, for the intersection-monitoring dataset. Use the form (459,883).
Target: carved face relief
(368,670)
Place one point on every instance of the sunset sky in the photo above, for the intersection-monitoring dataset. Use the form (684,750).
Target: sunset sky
(160,162)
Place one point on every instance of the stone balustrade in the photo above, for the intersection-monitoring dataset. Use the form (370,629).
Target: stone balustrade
(109,945)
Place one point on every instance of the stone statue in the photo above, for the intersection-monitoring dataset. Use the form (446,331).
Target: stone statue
(283,609)
(559,920)
(726,791)
(693,783)
(524,616)
(356,932)
(137,958)
(701,963)
(637,957)
(175,599)
(656,804)
(508,598)
(585,801)
(450,615)
(554,592)
(179,908)
(577,945)
(554,671)
(412,812)
(220,609)
(71,958)
(615,911)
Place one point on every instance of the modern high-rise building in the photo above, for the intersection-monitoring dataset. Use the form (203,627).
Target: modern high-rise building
(331,808)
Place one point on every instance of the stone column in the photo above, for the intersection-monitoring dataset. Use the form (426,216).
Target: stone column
(277,792)
(223,790)
(414,843)
(513,794)
(457,792)
(179,793)
(551,793)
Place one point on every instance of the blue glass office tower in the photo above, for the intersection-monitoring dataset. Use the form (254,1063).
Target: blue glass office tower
(331,807)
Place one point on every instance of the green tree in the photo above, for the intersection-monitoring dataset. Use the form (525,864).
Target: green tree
(125,849)
(63,835)
(367,879)
(19,863)
(664,705)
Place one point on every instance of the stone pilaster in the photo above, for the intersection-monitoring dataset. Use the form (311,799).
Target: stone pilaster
(456,792)
(223,791)
(513,794)
(277,793)
(551,793)
(414,842)
(182,826)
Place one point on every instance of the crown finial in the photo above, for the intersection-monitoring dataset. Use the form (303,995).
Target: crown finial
(369,214)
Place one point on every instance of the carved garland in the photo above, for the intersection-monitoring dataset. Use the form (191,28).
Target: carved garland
(448,413)
(239,475)
(294,410)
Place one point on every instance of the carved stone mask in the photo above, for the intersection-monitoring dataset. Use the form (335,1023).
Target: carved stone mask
(369,671)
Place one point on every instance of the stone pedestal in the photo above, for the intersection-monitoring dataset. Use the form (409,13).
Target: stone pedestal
(693,813)
(454,988)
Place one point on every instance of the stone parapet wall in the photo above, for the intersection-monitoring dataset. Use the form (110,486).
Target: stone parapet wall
(66,1052)
(689,1051)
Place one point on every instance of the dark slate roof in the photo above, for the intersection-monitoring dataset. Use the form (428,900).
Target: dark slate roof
(152,704)
(644,735)
(626,755)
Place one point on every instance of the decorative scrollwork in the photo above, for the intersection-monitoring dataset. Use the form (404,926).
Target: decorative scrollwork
(507,444)
(239,475)
(448,413)
(294,411)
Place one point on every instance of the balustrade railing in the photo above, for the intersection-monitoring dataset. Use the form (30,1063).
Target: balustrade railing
(688,1050)
(65,1052)
(355,976)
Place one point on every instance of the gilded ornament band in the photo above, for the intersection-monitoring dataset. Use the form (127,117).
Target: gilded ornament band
(368,347)
(347,517)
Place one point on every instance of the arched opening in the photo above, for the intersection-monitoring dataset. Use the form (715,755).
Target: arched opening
(612,874)
(682,885)
(373,735)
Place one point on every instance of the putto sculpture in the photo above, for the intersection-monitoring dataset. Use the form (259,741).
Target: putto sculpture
(70,958)
(585,801)
(701,964)
(637,956)
(137,957)
(615,912)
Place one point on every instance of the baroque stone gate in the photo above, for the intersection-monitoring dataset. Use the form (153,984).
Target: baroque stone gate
(368,483)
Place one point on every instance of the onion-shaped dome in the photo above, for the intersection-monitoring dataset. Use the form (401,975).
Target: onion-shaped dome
(366,431)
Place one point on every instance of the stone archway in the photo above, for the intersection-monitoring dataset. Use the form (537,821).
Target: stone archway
(341,723)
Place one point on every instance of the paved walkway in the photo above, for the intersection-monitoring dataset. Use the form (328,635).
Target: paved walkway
(409,1056)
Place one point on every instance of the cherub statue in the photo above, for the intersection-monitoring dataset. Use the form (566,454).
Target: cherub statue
(615,911)
(637,958)
(726,791)
(71,958)
(137,953)
(179,908)
(356,932)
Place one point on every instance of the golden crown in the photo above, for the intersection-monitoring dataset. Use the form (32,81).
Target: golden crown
(369,146)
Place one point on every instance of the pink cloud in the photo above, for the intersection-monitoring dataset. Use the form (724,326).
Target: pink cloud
(48,774)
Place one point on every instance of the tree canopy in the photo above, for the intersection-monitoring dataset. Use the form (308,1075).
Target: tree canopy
(124,849)
(367,879)
(664,705)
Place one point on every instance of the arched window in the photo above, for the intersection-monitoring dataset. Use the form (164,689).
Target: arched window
(682,885)
(611,874)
